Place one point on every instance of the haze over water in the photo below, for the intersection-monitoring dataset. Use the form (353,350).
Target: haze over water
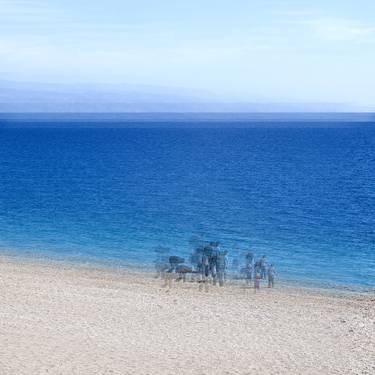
(303,195)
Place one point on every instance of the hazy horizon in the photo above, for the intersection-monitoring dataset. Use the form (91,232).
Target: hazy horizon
(34,97)
(244,56)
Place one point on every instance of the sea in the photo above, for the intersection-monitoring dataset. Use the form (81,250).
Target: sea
(112,192)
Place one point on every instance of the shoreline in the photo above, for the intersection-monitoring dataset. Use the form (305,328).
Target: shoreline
(142,275)
(147,270)
(63,318)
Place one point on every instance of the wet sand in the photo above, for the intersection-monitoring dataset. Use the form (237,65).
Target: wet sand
(58,318)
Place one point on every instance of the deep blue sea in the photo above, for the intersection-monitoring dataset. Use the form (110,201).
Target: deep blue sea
(304,195)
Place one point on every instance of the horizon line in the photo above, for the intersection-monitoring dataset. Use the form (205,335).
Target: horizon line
(157,117)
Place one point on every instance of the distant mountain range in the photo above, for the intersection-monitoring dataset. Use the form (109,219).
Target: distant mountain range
(21,97)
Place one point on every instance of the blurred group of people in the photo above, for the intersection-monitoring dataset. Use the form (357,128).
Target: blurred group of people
(256,271)
(208,264)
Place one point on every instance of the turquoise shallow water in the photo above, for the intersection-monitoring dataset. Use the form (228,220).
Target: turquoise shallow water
(303,195)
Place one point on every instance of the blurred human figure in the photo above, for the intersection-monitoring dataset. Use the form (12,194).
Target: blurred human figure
(256,267)
(199,260)
(257,279)
(221,266)
(214,250)
(196,261)
(271,276)
(263,266)
(236,263)
(249,257)
(204,268)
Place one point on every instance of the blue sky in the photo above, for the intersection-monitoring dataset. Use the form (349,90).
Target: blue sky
(261,50)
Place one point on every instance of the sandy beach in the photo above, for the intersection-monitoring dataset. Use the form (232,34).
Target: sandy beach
(58,318)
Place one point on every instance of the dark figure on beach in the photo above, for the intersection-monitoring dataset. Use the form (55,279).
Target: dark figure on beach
(257,280)
(205,266)
(249,266)
(236,260)
(207,260)
(221,266)
(194,258)
(263,267)
(213,257)
(196,261)
(271,276)
(256,267)
(205,271)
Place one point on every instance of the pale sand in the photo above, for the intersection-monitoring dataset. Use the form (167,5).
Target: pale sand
(63,319)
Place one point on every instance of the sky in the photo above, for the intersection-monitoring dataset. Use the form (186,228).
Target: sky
(239,50)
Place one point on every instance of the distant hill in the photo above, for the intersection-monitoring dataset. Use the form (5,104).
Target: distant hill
(16,97)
